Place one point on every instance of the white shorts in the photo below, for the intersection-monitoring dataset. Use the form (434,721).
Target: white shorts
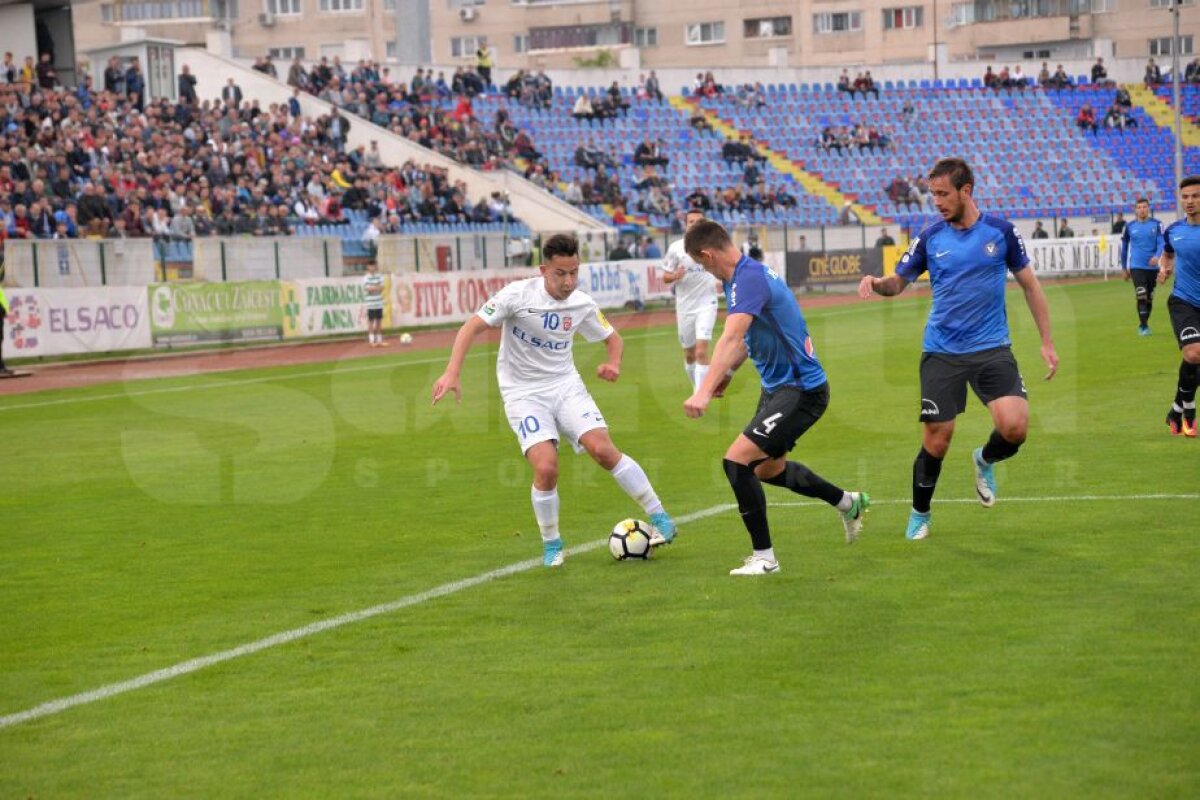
(569,411)
(696,325)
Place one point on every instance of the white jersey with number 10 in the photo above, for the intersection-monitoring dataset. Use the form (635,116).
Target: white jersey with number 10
(536,345)
(696,290)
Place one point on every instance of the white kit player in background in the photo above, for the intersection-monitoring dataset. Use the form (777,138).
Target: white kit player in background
(544,396)
(695,305)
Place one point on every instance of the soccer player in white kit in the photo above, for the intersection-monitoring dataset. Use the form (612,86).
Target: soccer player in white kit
(545,399)
(695,304)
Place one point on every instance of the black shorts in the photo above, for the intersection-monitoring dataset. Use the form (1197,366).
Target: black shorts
(784,415)
(374,314)
(991,374)
(1144,281)
(1185,319)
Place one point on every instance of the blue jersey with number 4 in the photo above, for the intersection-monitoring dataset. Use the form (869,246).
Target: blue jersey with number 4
(968,270)
(777,340)
(1183,240)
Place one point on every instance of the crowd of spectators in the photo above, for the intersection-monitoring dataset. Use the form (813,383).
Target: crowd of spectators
(913,193)
(842,139)
(862,84)
(102,162)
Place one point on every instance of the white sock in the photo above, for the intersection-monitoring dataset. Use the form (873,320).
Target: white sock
(632,478)
(1189,406)
(701,371)
(768,554)
(1176,408)
(846,503)
(690,369)
(545,508)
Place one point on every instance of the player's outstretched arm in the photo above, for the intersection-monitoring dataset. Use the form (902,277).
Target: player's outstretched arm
(610,370)
(729,353)
(1166,264)
(887,287)
(449,382)
(1040,309)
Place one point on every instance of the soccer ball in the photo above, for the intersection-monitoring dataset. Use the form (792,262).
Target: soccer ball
(406,338)
(630,539)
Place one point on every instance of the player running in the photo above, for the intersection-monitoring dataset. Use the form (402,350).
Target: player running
(1181,255)
(765,320)
(968,255)
(544,396)
(695,303)
(1141,246)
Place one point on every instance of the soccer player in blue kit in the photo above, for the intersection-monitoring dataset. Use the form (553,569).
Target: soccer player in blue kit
(1181,255)
(968,256)
(1141,246)
(763,321)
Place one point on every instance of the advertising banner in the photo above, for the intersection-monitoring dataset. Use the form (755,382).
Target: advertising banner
(52,322)
(215,312)
(816,267)
(327,306)
(436,298)
(1088,254)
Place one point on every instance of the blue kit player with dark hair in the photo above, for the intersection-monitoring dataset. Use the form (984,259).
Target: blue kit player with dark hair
(764,322)
(1181,255)
(1141,246)
(968,255)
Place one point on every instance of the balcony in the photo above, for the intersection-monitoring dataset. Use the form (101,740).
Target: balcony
(565,37)
(1011,10)
(163,12)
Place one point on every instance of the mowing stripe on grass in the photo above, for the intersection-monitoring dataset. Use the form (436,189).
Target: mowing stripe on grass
(196,664)
(267,378)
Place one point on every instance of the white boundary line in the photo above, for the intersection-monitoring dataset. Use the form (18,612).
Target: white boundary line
(218,384)
(197,664)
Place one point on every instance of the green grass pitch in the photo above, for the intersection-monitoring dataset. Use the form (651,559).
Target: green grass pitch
(1047,647)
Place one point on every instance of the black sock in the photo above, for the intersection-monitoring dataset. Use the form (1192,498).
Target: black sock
(998,448)
(1185,395)
(1143,306)
(926,469)
(752,502)
(802,480)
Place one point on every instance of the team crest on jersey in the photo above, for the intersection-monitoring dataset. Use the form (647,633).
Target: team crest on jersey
(808,346)
(991,248)
(566,322)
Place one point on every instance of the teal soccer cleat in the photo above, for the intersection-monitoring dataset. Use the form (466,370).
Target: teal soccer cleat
(918,526)
(985,479)
(664,529)
(552,553)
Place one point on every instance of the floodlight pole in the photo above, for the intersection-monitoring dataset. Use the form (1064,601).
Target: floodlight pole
(1175,45)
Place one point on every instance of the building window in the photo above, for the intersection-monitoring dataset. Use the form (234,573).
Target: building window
(841,22)
(1169,3)
(281,8)
(464,46)
(706,33)
(521,43)
(391,48)
(895,19)
(1162,46)
(645,37)
(285,53)
(389,5)
(341,6)
(767,28)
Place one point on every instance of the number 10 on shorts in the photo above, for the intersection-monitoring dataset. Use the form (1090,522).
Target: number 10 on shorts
(528,425)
